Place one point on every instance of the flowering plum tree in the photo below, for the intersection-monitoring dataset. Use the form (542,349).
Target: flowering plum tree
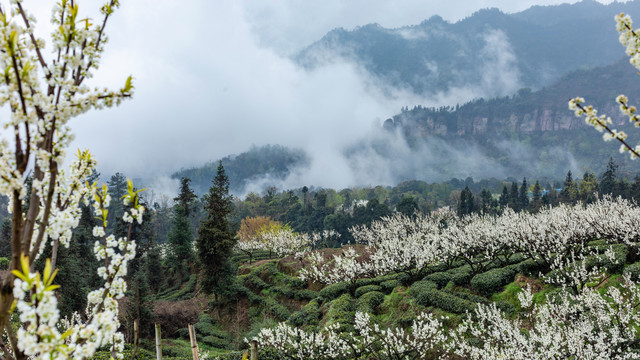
(370,341)
(43,91)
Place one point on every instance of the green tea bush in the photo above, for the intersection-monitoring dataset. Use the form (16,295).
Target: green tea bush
(529,267)
(283,290)
(273,307)
(367,288)
(388,286)
(468,296)
(445,301)
(310,314)
(369,301)
(633,270)
(332,291)
(252,281)
(341,310)
(419,291)
(305,294)
(441,279)
(491,281)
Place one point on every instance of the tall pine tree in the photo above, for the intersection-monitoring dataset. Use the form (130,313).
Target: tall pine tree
(216,239)
(186,197)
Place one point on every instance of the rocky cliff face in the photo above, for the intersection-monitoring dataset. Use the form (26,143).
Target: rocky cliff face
(527,112)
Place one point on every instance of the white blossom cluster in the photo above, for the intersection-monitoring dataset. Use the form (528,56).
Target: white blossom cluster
(369,341)
(585,325)
(283,241)
(555,237)
(345,267)
(44,90)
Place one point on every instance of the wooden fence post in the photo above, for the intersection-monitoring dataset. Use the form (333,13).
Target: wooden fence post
(158,343)
(254,350)
(194,344)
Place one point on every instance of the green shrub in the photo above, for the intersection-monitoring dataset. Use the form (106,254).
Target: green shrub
(332,291)
(621,252)
(461,275)
(529,267)
(215,342)
(309,315)
(282,290)
(491,281)
(419,290)
(388,285)
(341,310)
(279,311)
(253,282)
(506,307)
(367,288)
(367,281)
(445,301)
(305,294)
(369,301)
(468,296)
(4,263)
(186,292)
(263,354)
(293,282)
(633,270)
(441,279)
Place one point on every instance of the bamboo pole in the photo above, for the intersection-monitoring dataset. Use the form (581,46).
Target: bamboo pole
(136,338)
(194,344)
(158,343)
(254,350)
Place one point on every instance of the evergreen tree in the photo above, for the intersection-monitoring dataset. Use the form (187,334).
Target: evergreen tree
(514,197)
(536,197)
(407,206)
(485,196)
(504,197)
(523,196)
(569,189)
(467,203)
(186,197)
(153,268)
(180,245)
(634,191)
(117,187)
(216,239)
(608,180)
(5,238)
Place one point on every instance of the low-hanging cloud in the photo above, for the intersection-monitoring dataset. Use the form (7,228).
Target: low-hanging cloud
(213,78)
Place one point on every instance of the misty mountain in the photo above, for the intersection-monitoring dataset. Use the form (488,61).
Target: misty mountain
(532,133)
(272,161)
(491,52)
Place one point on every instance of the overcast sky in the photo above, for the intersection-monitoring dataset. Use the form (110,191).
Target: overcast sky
(213,77)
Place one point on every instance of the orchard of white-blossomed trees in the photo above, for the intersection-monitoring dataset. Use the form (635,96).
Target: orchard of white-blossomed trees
(581,252)
(574,250)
